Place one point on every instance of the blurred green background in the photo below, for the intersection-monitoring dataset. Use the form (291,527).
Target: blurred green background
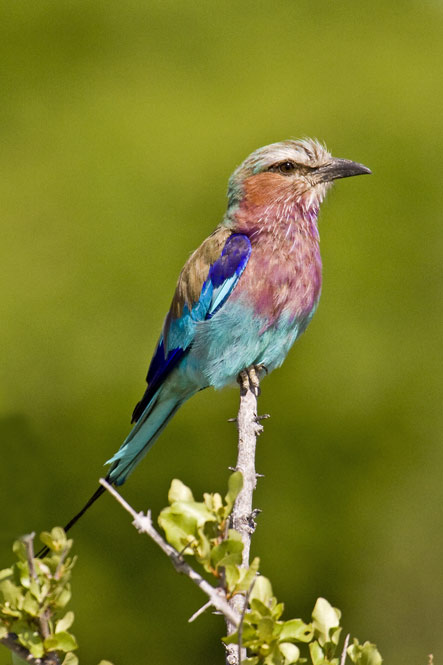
(120,124)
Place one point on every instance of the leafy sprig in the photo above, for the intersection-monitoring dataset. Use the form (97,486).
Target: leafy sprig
(201,529)
(34,594)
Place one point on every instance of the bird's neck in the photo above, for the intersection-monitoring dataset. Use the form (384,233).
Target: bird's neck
(276,208)
(283,220)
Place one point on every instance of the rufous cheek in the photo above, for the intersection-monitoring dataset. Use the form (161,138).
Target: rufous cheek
(265,188)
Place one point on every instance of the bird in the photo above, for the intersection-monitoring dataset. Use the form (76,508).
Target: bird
(245,295)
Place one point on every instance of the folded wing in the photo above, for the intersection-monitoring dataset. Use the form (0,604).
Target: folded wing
(204,285)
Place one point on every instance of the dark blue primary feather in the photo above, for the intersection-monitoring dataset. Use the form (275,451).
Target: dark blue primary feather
(222,277)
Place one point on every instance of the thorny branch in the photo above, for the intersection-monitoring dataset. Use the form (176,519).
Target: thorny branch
(243,516)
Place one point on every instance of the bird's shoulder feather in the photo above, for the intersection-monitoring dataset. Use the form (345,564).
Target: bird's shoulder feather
(195,271)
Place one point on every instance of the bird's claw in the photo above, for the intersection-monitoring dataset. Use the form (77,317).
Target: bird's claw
(249,379)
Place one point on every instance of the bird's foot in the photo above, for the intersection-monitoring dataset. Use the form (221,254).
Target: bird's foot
(243,380)
(249,379)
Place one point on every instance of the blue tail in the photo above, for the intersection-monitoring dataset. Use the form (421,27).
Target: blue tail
(145,432)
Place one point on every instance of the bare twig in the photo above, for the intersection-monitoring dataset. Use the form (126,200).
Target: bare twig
(143,523)
(28,542)
(242,517)
(344,653)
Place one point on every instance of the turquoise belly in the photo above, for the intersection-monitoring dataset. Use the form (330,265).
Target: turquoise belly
(235,339)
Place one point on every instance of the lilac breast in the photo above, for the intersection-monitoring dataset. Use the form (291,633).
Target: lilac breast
(283,274)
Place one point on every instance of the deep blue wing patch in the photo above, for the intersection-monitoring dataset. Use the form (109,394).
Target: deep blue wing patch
(225,272)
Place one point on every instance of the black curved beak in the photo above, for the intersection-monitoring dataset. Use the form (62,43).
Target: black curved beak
(339,168)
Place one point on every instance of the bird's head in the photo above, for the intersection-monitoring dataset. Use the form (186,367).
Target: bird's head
(299,171)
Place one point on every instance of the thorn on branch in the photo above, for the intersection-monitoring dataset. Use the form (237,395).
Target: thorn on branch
(143,522)
(200,611)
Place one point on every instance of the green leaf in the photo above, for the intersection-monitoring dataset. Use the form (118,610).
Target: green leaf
(364,654)
(30,605)
(317,655)
(202,549)
(105,662)
(179,529)
(5,573)
(272,655)
(265,629)
(277,610)
(56,539)
(290,652)
(249,635)
(324,619)
(247,576)
(22,568)
(229,551)
(62,597)
(235,485)
(36,591)
(179,492)
(65,623)
(3,631)
(260,608)
(70,659)
(251,661)
(194,511)
(19,550)
(48,540)
(296,630)
(182,520)
(12,595)
(262,590)
(214,503)
(232,576)
(62,641)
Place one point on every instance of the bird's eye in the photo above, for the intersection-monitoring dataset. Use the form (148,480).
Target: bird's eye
(286,168)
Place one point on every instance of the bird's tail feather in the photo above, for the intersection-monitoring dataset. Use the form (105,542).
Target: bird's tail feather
(143,435)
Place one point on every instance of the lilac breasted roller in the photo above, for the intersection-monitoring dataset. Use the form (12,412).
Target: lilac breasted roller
(246,294)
